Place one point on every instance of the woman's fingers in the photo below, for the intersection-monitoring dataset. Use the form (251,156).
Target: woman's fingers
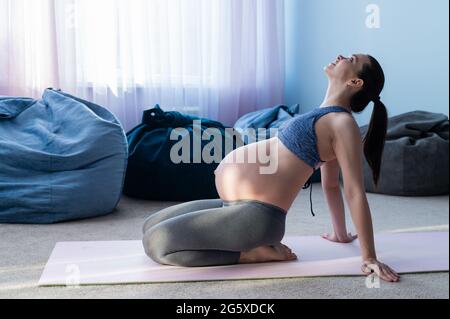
(385,276)
(348,239)
(393,274)
(353,237)
(328,237)
(396,278)
(388,273)
(393,271)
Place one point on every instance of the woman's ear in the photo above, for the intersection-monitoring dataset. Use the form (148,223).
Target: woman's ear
(355,83)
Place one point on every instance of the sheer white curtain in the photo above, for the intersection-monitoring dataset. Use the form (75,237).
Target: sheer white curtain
(215,58)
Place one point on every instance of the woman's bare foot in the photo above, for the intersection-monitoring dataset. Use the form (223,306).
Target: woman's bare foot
(263,254)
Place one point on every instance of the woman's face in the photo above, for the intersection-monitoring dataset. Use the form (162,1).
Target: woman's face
(344,69)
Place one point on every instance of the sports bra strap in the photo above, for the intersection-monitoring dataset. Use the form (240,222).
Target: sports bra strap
(309,184)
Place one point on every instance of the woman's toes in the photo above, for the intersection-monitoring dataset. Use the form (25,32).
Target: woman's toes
(287,248)
(289,255)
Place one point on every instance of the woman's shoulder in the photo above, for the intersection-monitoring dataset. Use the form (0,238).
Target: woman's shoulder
(343,119)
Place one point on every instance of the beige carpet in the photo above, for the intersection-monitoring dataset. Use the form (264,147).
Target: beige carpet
(24,250)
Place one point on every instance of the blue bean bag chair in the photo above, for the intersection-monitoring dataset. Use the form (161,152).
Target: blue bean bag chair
(61,158)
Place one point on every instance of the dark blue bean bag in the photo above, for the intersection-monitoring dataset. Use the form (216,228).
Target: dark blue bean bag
(61,158)
(151,172)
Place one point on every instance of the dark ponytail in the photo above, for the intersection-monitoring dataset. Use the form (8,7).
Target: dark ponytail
(374,140)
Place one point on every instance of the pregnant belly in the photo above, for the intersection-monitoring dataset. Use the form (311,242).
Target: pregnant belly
(243,181)
(253,180)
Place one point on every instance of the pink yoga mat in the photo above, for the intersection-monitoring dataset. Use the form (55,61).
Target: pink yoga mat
(120,262)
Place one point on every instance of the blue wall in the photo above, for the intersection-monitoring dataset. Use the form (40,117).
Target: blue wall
(411,45)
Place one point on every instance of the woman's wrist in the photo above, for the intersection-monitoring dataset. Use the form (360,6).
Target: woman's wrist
(369,258)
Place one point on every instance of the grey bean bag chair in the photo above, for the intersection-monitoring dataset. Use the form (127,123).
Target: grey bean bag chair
(415,157)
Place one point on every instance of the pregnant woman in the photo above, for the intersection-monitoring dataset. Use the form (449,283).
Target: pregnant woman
(247,223)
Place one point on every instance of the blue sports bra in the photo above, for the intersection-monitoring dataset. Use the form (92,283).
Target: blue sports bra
(299,136)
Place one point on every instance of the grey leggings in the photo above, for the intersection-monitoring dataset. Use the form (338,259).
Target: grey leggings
(211,232)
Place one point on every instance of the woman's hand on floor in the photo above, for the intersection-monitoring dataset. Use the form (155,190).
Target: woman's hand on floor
(382,270)
(345,238)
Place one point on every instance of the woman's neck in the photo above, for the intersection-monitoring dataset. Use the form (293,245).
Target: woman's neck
(336,97)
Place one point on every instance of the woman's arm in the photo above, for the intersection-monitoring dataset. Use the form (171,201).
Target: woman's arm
(347,145)
(362,219)
(337,209)
(332,190)
(348,148)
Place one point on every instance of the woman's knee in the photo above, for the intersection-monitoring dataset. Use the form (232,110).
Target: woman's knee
(157,247)
(156,243)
